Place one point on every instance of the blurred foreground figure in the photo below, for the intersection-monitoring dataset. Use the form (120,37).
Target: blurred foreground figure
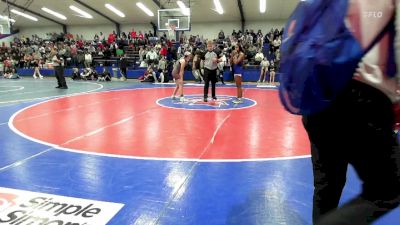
(339,73)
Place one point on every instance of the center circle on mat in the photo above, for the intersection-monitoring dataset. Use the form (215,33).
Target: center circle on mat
(196,102)
(130,123)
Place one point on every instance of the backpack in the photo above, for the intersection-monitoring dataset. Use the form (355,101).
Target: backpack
(319,55)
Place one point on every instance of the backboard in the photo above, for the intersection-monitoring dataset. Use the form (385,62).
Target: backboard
(168,18)
(4,26)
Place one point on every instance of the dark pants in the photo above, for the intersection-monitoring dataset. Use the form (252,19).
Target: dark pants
(59,72)
(123,72)
(221,75)
(210,75)
(356,129)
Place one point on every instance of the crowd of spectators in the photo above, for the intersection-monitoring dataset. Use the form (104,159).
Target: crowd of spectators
(135,49)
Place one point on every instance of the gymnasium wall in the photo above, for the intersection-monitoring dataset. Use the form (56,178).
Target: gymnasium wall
(40,31)
(265,26)
(211,30)
(89,32)
(208,30)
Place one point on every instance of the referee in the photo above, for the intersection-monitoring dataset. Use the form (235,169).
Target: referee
(210,71)
(59,69)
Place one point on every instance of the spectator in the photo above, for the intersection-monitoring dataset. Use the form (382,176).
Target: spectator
(221,66)
(119,52)
(88,60)
(149,75)
(162,69)
(163,51)
(36,73)
(111,38)
(105,76)
(75,74)
(259,57)
(86,74)
(264,70)
(133,34)
(196,67)
(277,59)
(123,66)
(234,34)
(80,58)
(142,54)
(221,35)
(152,57)
(101,37)
(272,69)
(259,33)
(141,36)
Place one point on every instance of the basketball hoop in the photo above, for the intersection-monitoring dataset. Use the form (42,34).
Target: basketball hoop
(172,27)
(172,31)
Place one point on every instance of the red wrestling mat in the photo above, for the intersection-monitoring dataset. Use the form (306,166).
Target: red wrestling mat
(132,123)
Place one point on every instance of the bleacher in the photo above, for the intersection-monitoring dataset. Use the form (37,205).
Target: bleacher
(132,56)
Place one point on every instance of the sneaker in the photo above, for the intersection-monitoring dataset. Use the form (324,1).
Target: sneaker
(182,99)
(214,98)
(205,100)
(41,77)
(34,77)
(173,97)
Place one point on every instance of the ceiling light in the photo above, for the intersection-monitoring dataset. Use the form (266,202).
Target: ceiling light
(145,9)
(185,11)
(116,11)
(263,6)
(24,15)
(218,6)
(56,14)
(81,12)
(6,18)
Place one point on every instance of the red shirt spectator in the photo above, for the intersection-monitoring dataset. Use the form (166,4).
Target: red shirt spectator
(111,38)
(133,34)
(100,45)
(140,36)
(163,51)
(74,51)
(79,44)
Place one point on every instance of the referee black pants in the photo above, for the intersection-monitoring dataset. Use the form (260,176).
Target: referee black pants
(59,73)
(210,75)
